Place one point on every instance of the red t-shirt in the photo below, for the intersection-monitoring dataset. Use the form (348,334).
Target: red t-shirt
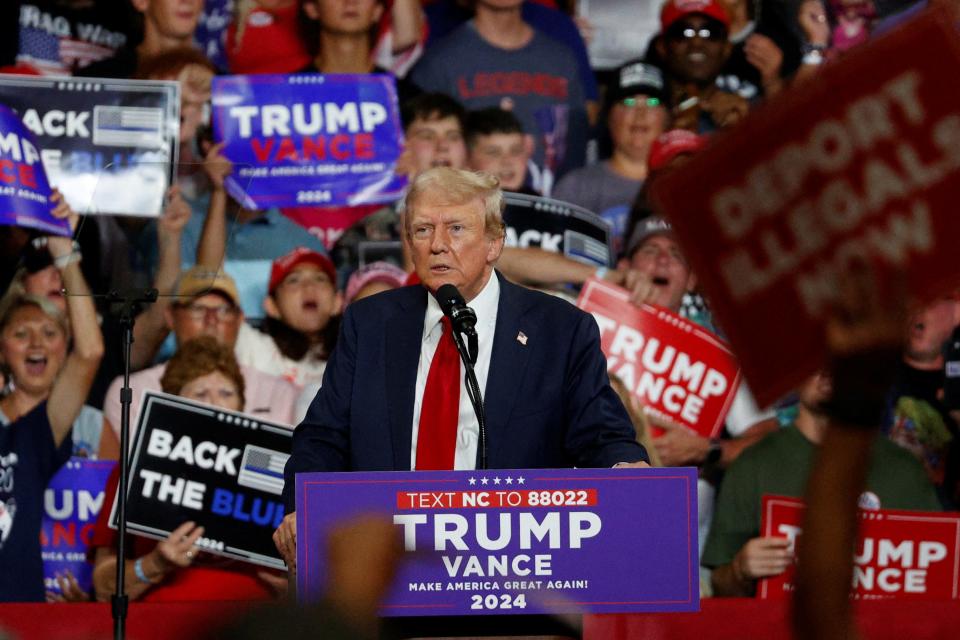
(209,578)
(270,44)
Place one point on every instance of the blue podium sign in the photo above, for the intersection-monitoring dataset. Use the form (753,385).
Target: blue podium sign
(528,541)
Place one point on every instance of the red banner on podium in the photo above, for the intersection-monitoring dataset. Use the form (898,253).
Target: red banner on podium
(861,164)
(677,369)
(899,554)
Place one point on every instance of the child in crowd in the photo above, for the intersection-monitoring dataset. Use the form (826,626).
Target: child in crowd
(302,309)
(497,144)
(368,280)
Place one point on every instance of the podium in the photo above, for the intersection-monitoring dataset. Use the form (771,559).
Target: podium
(518,542)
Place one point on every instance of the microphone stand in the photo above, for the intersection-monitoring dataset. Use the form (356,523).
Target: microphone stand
(129,304)
(469,357)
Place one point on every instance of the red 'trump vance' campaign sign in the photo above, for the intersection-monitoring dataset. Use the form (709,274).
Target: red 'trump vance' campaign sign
(677,369)
(899,554)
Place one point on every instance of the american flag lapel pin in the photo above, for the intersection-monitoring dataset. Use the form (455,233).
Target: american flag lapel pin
(522,338)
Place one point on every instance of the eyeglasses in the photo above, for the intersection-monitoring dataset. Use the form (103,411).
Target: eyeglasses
(633,102)
(200,312)
(683,32)
(653,252)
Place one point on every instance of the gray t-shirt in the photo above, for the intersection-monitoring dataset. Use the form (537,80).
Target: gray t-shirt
(540,79)
(599,189)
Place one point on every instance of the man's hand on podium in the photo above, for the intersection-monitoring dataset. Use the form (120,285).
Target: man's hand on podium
(639,464)
(285,538)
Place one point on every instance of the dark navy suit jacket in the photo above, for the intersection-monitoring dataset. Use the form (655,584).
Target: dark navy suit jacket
(548,402)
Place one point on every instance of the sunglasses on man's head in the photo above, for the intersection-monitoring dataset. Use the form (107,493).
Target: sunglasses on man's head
(685,32)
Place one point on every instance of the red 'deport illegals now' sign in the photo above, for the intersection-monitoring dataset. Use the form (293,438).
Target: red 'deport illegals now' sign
(862,163)
(678,370)
(911,555)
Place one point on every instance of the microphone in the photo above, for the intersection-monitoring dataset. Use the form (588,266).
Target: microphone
(462,318)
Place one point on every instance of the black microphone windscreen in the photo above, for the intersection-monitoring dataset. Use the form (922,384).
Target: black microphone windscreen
(448,296)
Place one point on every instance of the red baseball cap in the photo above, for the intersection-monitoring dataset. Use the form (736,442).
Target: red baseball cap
(669,145)
(673,10)
(283,265)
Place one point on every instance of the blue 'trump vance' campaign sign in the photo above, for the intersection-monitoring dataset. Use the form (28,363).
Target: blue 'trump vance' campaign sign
(528,541)
(24,190)
(309,139)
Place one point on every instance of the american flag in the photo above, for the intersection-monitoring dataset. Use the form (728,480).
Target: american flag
(262,469)
(51,55)
(585,249)
(128,126)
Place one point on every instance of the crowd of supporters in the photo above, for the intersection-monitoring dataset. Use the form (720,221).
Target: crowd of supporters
(250,300)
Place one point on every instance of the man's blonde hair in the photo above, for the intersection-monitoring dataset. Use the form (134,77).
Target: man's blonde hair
(456,187)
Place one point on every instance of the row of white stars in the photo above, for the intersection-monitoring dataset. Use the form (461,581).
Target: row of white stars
(496,480)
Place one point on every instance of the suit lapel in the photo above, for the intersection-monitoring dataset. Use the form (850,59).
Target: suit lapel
(508,363)
(404,338)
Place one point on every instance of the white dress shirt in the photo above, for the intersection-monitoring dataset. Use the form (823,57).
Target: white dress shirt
(468,429)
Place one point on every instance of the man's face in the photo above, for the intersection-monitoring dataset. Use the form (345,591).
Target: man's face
(211,314)
(660,259)
(449,245)
(929,329)
(504,155)
(437,142)
(176,19)
(635,123)
(344,17)
(816,390)
(696,48)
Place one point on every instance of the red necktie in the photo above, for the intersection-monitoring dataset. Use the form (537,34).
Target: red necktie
(440,410)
